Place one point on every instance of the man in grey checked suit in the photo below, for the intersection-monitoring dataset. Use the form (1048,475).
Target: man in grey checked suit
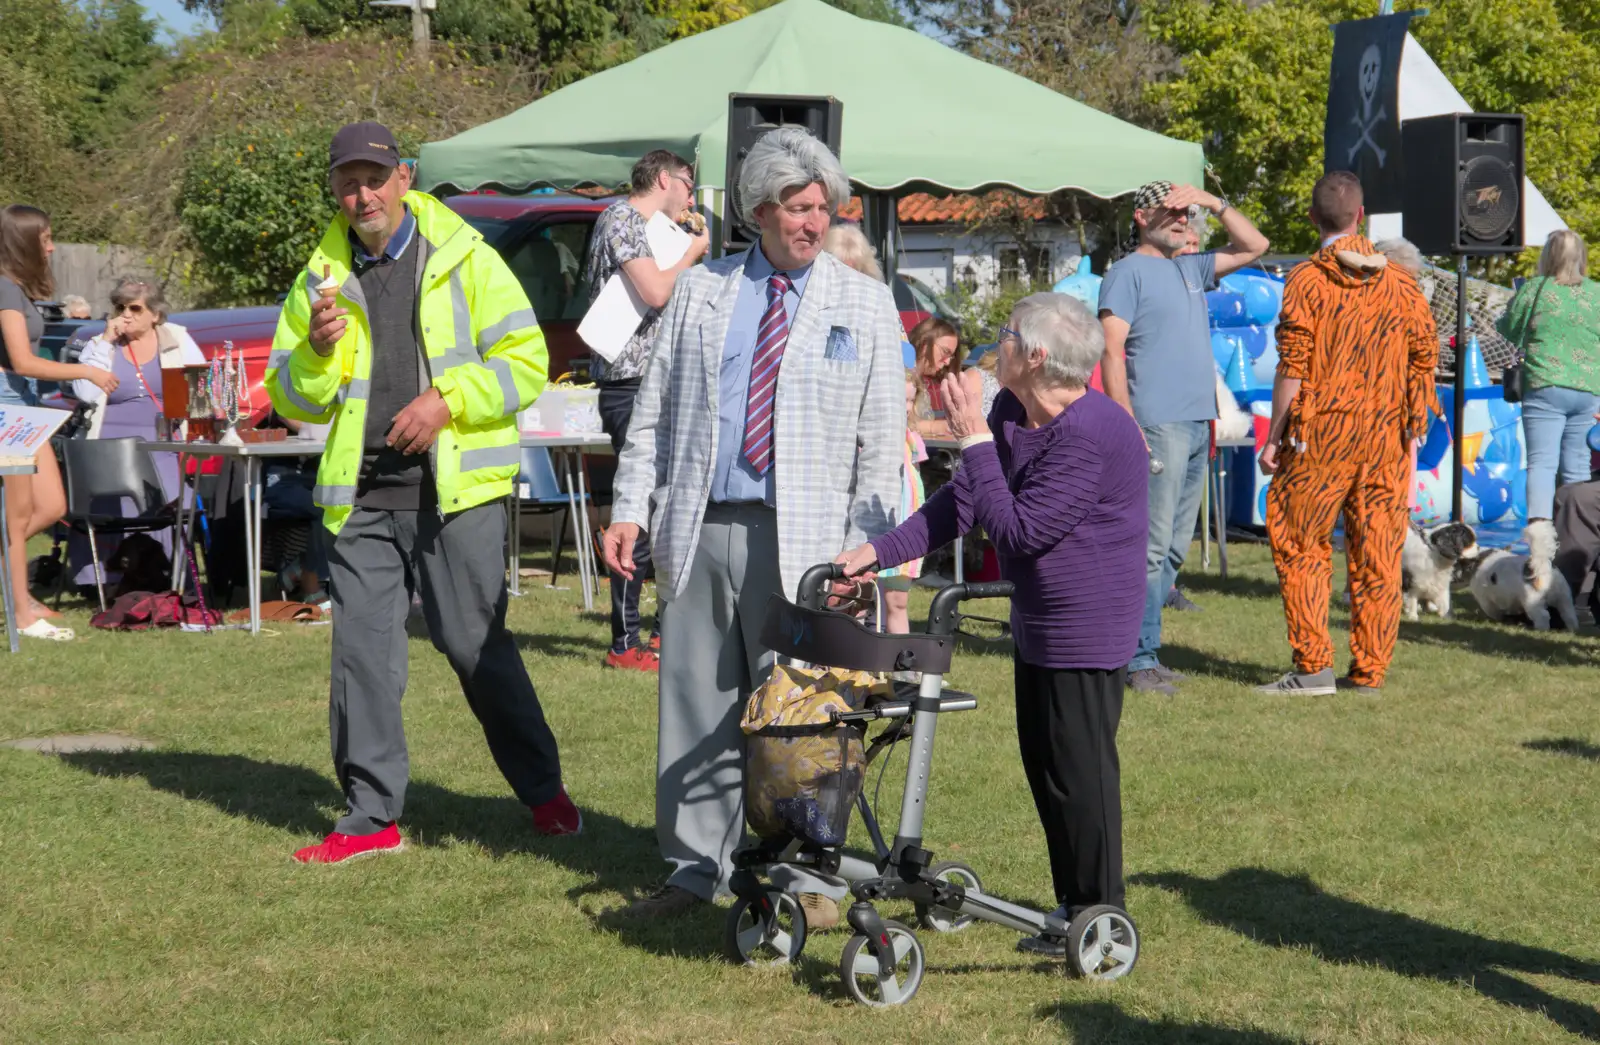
(768,437)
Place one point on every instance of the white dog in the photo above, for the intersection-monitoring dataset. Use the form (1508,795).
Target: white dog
(1428,565)
(1508,586)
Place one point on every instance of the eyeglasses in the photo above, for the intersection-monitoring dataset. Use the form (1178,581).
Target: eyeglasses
(688,183)
(1006,332)
(136,308)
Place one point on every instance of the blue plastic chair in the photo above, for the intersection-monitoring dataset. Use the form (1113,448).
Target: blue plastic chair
(539,491)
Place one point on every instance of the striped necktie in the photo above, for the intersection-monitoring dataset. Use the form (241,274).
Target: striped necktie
(771,337)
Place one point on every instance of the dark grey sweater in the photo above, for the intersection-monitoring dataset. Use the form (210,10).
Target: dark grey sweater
(390,480)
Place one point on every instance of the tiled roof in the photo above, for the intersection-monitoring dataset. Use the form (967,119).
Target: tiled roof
(920,208)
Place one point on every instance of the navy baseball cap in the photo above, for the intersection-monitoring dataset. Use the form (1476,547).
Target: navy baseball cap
(367,141)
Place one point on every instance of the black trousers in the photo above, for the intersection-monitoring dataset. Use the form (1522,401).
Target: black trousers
(1577,523)
(1067,729)
(616,410)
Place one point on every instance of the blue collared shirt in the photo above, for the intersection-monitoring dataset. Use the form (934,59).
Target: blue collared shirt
(734,481)
(396,246)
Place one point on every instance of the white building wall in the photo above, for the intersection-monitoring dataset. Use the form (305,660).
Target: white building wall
(940,255)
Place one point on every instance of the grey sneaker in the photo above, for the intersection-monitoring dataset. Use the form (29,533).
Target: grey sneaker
(1178,601)
(1149,680)
(1319,685)
(1171,676)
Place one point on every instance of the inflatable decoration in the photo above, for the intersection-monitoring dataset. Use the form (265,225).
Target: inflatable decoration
(1243,314)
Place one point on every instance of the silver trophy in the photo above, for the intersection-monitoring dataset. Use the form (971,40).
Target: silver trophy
(229,397)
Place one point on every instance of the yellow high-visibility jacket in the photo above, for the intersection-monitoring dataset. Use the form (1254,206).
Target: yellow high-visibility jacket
(484,353)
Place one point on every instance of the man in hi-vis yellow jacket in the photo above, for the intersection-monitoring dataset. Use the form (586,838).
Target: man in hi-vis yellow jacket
(411,336)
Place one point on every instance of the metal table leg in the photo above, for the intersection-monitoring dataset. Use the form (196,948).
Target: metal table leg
(579,528)
(179,533)
(588,534)
(252,538)
(1205,513)
(514,539)
(5,575)
(1222,518)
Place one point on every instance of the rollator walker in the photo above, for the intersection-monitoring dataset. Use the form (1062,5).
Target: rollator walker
(883,962)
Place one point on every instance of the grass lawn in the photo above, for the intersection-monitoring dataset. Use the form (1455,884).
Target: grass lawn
(1418,867)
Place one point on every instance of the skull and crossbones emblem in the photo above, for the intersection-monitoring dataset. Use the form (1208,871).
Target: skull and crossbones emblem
(1370,71)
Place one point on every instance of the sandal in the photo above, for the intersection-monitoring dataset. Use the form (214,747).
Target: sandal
(43,629)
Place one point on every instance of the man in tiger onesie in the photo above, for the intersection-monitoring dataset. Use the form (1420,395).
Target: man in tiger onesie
(1356,354)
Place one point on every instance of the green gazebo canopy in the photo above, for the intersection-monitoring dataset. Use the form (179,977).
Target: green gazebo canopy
(917,115)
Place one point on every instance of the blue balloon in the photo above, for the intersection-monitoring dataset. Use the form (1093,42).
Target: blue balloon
(1594,439)
(1493,495)
(1227,309)
(1254,338)
(1222,349)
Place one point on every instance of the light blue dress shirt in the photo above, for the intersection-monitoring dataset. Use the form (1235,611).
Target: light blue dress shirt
(734,481)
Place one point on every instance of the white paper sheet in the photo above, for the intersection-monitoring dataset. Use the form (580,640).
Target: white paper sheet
(24,429)
(618,310)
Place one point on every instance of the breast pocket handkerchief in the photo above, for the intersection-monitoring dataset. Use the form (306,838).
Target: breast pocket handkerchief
(841,346)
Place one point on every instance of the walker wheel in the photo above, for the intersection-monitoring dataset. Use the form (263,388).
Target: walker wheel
(862,977)
(774,936)
(1102,943)
(938,919)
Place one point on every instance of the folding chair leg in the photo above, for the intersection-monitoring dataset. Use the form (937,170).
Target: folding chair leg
(99,579)
(61,579)
(560,542)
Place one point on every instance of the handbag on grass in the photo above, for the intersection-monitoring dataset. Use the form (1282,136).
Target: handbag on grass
(1512,379)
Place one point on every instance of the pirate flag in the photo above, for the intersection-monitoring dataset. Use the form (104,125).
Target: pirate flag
(1362,133)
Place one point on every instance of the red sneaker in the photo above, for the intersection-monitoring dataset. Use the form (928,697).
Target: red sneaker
(655,644)
(337,848)
(558,817)
(637,658)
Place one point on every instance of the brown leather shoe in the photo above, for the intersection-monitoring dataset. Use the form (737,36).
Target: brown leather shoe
(669,901)
(822,913)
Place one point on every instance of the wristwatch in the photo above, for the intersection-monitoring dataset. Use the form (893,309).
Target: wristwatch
(1220,211)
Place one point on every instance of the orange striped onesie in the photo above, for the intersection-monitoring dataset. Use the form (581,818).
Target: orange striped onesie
(1358,335)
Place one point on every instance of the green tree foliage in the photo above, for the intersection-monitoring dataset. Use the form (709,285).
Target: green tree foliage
(1254,86)
(254,206)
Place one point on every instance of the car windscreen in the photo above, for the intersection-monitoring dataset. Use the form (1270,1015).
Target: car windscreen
(547,257)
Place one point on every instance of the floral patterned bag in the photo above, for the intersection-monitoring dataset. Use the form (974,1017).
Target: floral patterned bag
(802,770)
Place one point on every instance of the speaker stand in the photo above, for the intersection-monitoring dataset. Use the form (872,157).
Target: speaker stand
(1459,407)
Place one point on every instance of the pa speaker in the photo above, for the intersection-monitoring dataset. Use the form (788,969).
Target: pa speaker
(749,117)
(1463,183)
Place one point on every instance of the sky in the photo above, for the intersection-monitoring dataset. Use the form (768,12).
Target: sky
(174,19)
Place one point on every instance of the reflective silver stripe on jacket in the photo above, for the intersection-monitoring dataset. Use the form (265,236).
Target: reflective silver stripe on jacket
(491,457)
(334,496)
(508,385)
(298,401)
(516,320)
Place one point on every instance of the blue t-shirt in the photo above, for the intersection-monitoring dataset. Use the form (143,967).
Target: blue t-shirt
(1171,373)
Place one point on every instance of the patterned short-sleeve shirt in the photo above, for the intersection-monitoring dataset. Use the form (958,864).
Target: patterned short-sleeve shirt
(620,237)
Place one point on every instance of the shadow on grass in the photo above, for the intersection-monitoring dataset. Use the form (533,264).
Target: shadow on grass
(614,855)
(1500,642)
(1104,1023)
(1191,661)
(584,647)
(1236,583)
(1291,911)
(1565,746)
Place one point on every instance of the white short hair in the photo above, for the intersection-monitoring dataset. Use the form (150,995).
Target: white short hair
(788,158)
(851,246)
(1066,331)
(1402,252)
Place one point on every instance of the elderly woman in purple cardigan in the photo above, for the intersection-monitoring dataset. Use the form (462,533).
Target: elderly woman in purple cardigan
(1057,478)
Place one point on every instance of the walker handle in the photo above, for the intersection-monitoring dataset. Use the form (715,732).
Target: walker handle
(942,615)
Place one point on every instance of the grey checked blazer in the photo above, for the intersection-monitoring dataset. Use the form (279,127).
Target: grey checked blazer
(839,427)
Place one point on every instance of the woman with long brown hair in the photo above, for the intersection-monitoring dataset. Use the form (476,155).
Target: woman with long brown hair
(938,345)
(35,502)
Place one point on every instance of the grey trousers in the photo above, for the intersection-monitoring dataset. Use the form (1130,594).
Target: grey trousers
(377,560)
(711,656)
